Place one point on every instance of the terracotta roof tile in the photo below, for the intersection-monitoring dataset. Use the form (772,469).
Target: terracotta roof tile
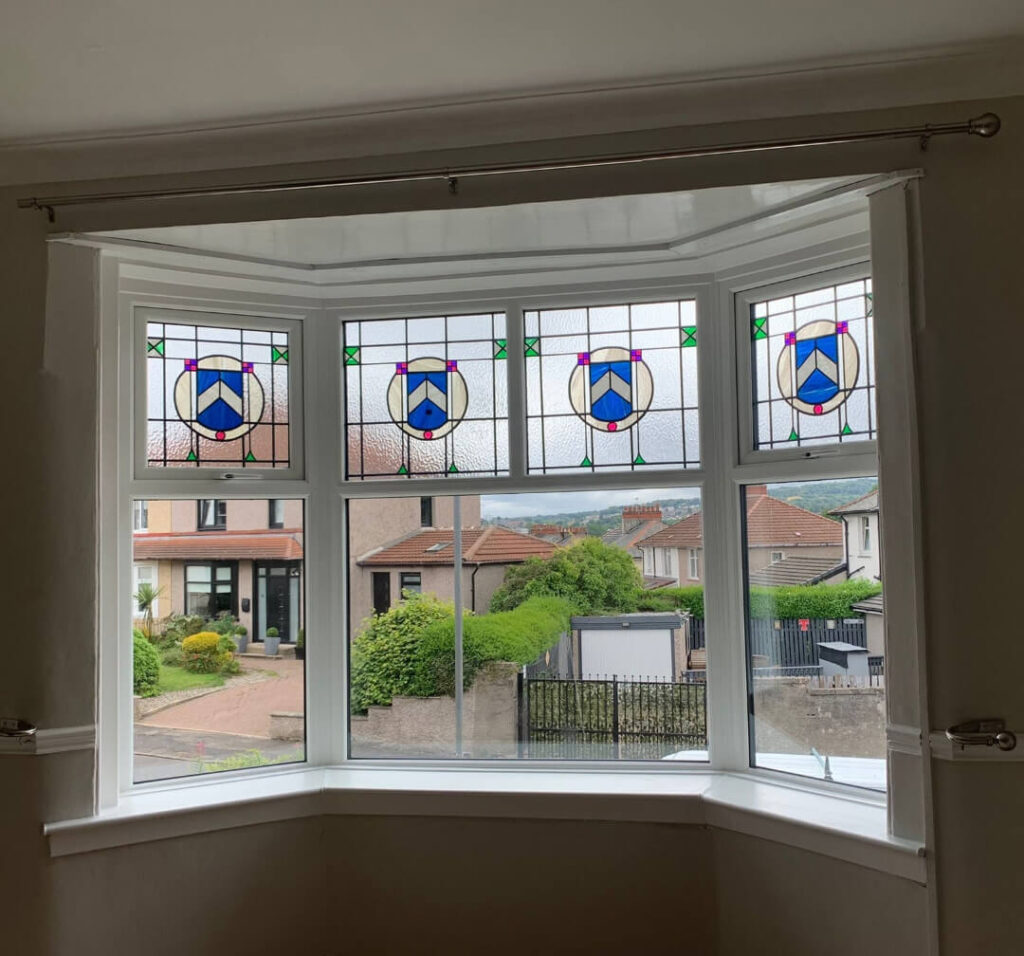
(218,546)
(490,545)
(770,523)
(868,502)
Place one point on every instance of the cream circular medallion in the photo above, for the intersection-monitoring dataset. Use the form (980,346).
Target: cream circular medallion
(611,388)
(427,397)
(219,397)
(818,366)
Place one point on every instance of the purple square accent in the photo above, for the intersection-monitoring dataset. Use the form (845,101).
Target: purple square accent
(635,355)
(842,328)
(791,338)
(451,365)
(401,368)
(247,366)
(191,365)
(582,358)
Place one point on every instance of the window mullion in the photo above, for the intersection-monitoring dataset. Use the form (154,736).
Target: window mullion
(516,376)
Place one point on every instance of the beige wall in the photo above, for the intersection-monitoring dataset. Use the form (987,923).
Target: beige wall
(647,884)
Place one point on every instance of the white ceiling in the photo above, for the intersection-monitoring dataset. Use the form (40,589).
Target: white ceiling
(91,68)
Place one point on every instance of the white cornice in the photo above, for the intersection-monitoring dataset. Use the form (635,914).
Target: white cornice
(933,77)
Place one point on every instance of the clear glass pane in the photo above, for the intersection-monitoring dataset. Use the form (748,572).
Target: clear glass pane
(607,386)
(813,368)
(235,696)
(214,396)
(424,396)
(612,668)
(815,629)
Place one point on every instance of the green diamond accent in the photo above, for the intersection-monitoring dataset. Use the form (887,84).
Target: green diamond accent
(870,303)
(403,470)
(532,347)
(452,469)
(639,460)
(689,336)
(501,348)
(278,356)
(250,456)
(191,456)
(586,463)
(760,329)
(351,354)
(793,436)
(155,345)
(846,429)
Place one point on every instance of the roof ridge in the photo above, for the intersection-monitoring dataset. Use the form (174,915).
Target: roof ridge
(483,535)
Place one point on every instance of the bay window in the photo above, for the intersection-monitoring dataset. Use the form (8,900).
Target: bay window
(479,467)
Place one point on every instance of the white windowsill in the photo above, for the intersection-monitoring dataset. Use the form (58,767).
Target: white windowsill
(838,825)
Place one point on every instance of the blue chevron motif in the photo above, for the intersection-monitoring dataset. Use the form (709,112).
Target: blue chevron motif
(817,363)
(219,415)
(611,390)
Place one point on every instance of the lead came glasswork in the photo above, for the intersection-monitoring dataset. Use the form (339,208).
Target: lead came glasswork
(813,367)
(631,400)
(426,396)
(217,396)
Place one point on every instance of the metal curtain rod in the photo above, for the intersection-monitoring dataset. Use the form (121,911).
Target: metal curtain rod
(986,126)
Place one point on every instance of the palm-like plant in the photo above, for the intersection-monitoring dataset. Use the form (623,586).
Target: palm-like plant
(145,599)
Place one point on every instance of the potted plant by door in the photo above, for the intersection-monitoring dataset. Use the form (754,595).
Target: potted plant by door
(242,635)
(300,645)
(271,642)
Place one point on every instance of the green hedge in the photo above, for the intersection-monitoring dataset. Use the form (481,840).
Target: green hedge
(812,601)
(145,666)
(410,650)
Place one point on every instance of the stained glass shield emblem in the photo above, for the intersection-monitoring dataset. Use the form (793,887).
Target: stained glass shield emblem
(818,367)
(427,397)
(611,388)
(218,397)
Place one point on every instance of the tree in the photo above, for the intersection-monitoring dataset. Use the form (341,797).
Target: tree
(145,598)
(590,575)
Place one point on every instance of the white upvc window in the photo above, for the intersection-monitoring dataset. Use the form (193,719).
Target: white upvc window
(140,515)
(328,460)
(145,574)
(777,556)
(865,534)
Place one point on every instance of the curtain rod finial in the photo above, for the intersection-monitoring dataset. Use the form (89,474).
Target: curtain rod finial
(987,125)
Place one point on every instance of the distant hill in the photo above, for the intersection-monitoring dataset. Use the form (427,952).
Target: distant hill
(822,496)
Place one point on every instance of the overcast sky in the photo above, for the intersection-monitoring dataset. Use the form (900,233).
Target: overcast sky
(567,502)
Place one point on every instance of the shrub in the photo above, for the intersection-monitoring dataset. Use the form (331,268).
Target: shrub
(241,630)
(411,648)
(179,626)
(519,636)
(590,575)
(384,654)
(145,666)
(224,623)
(172,656)
(273,632)
(205,654)
(300,640)
(673,599)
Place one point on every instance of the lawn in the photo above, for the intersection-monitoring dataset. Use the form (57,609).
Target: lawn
(177,678)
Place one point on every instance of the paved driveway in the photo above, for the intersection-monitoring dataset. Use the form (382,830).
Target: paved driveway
(242,709)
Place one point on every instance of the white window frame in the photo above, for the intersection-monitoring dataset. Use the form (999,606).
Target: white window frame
(865,534)
(694,564)
(140,515)
(136,567)
(781,555)
(723,471)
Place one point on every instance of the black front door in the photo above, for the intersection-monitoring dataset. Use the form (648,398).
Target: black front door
(274,592)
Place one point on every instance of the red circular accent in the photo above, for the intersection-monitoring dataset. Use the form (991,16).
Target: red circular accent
(817,409)
(220,436)
(612,426)
(428,434)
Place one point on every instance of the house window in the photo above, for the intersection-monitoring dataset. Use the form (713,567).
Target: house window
(210,588)
(140,515)
(777,556)
(144,574)
(426,512)
(211,514)
(865,534)
(275,518)
(381,581)
(694,564)
(410,581)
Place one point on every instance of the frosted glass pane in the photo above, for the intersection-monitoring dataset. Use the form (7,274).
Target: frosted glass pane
(813,374)
(597,392)
(427,402)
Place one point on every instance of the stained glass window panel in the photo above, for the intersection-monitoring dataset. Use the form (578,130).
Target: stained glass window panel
(612,388)
(216,396)
(813,367)
(426,396)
